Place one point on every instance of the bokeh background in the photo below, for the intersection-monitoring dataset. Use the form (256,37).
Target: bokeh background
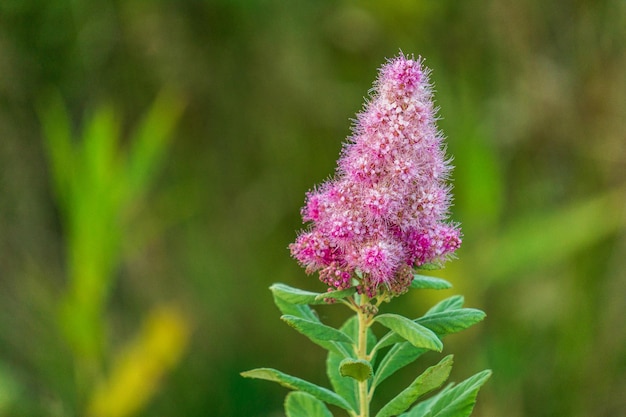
(154,156)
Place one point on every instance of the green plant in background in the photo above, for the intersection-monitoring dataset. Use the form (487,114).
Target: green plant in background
(99,184)
(381,219)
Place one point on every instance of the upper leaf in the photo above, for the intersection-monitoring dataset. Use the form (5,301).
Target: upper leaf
(452,321)
(301,404)
(430,283)
(418,335)
(451,303)
(315,330)
(299,310)
(294,383)
(431,379)
(295,295)
(336,295)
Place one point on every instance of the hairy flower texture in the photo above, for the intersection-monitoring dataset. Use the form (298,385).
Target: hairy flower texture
(386,210)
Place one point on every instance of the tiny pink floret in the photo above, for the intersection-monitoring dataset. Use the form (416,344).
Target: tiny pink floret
(386,210)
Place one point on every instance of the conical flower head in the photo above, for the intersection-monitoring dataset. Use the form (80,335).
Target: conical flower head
(386,210)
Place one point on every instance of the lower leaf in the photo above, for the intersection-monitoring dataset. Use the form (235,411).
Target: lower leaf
(301,404)
(454,401)
(431,379)
(298,384)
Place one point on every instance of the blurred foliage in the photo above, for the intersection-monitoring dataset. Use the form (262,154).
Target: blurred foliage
(140,366)
(97,187)
(532,96)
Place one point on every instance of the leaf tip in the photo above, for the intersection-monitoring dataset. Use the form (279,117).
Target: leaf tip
(247,374)
(449,358)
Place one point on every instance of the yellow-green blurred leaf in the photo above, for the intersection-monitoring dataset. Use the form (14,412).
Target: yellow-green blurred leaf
(140,366)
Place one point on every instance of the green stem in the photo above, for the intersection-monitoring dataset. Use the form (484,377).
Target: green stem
(364,323)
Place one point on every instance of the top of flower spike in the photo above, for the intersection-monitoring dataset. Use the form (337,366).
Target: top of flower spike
(386,210)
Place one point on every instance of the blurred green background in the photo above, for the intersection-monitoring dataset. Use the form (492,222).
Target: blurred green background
(154,156)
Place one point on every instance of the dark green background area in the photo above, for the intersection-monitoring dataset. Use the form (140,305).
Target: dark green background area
(532,98)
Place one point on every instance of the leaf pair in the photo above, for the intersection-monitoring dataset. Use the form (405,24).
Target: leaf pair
(308,398)
(294,304)
(430,380)
(452,401)
(445,318)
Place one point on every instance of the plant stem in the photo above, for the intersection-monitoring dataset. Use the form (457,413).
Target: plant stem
(364,322)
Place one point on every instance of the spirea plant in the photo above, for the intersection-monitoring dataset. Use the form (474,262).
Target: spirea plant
(372,229)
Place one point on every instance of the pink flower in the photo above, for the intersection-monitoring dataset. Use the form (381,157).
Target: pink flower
(386,210)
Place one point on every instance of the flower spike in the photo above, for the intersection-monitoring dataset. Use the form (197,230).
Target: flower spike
(386,210)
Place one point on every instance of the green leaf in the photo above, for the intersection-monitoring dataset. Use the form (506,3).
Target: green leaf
(452,321)
(358,369)
(442,323)
(398,357)
(303,311)
(299,310)
(294,383)
(451,303)
(454,401)
(336,295)
(316,331)
(429,283)
(431,379)
(347,388)
(295,295)
(301,404)
(418,335)
(423,407)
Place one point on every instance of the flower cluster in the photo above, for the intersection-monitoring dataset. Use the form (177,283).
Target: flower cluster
(386,210)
